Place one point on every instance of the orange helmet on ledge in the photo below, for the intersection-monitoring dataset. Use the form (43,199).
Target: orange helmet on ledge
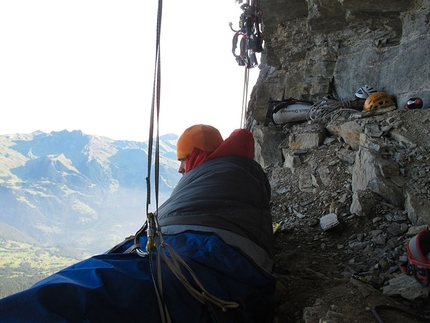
(378,100)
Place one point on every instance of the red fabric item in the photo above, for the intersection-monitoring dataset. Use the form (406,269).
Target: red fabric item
(239,143)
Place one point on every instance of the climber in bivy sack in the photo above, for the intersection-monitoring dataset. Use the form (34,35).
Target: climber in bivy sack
(215,238)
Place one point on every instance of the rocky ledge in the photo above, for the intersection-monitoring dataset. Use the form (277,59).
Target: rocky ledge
(349,193)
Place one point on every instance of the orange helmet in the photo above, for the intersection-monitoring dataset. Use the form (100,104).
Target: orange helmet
(378,100)
(201,136)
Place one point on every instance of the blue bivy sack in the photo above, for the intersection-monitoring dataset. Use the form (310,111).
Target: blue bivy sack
(118,287)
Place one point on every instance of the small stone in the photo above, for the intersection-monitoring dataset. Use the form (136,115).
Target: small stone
(329,221)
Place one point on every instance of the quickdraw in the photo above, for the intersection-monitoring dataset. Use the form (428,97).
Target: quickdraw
(251,41)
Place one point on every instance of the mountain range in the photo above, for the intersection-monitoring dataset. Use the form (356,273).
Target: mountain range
(83,191)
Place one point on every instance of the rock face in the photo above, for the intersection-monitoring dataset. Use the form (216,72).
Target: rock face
(350,187)
(310,45)
(314,49)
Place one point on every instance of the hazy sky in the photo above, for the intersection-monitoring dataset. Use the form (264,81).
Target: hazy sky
(88,65)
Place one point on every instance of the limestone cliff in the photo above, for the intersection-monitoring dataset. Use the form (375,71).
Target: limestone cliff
(311,44)
(370,170)
(316,48)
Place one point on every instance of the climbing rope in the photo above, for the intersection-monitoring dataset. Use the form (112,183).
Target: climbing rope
(329,109)
(245,98)
(150,223)
(155,106)
(151,226)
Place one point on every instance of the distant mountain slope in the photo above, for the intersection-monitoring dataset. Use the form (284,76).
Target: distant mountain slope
(8,232)
(79,190)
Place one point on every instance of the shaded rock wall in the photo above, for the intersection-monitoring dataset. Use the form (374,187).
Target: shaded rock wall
(315,48)
(372,172)
(310,43)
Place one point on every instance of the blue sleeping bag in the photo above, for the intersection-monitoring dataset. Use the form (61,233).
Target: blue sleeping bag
(118,287)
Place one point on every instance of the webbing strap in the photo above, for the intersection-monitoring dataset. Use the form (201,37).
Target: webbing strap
(155,114)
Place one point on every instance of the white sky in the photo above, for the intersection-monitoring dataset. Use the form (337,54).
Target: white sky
(88,65)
